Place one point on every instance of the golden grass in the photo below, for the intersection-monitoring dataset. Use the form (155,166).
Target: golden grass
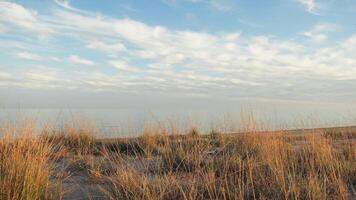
(160,166)
(250,166)
(78,140)
(26,165)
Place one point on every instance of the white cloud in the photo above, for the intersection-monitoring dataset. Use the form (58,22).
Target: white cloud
(220,5)
(54,58)
(5,75)
(65,4)
(74,59)
(250,24)
(317,37)
(319,33)
(122,65)
(2,28)
(108,48)
(34,77)
(40,76)
(231,63)
(326,27)
(28,56)
(19,16)
(312,6)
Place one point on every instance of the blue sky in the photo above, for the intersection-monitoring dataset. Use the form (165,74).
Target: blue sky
(278,50)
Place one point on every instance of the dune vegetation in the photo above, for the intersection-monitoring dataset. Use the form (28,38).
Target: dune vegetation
(72,163)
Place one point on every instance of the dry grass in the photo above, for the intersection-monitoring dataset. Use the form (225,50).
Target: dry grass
(78,140)
(159,165)
(250,166)
(26,165)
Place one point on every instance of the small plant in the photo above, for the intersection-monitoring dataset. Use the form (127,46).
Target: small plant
(216,138)
(193,133)
(78,141)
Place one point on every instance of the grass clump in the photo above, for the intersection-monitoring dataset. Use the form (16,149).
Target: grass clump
(162,166)
(26,167)
(79,141)
(247,166)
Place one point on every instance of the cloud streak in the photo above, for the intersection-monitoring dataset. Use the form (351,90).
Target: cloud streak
(319,33)
(219,5)
(108,48)
(20,17)
(310,5)
(159,59)
(28,56)
(74,59)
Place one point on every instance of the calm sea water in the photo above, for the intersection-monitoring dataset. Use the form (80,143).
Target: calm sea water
(131,122)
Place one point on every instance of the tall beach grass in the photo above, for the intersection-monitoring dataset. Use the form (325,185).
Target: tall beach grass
(26,165)
(166,164)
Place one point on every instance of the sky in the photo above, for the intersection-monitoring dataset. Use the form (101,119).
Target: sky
(138,52)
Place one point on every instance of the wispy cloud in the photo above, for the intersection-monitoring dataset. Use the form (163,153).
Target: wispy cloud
(319,33)
(220,5)
(35,77)
(250,24)
(5,76)
(122,65)
(28,56)
(310,5)
(229,63)
(17,15)
(105,47)
(74,59)
(2,28)
(129,8)
(65,4)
